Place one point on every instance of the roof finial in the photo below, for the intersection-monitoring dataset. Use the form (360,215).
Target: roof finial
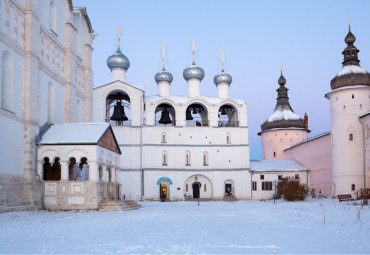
(281,68)
(349,23)
(222,58)
(193,51)
(119,30)
(163,47)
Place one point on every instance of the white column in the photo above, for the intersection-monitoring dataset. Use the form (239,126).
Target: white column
(193,87)
(93,171)
(118,74)
(117,175)
(64,170)
(223,90)
(163,88)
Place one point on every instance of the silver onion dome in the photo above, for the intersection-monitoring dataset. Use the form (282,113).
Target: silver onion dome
(193,71)
(222,77)
(163,76)
(118,60)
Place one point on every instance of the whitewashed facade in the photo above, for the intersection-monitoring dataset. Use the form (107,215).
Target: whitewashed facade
(46,78)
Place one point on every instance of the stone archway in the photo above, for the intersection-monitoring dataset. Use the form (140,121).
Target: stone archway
(205,188)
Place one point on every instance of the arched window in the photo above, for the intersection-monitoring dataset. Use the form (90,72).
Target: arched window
(164,159)
(79,111)
(51,103)
(187,158)
(228,138)
(7,81)
(53,16)
(164,138)
(205,159)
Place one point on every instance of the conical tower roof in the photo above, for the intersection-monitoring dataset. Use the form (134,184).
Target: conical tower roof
(283,116)
(352,74)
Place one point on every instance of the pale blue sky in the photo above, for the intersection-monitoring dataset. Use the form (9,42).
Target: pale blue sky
(258,36)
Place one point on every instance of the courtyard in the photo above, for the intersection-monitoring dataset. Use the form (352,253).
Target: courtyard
(313,226)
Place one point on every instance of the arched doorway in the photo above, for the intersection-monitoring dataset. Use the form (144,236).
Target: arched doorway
(229,188)
(196,189)
(163,191)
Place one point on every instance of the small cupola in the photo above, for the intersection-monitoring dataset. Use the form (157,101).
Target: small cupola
(193,74)
(222,80)
(118,63)
(163,78)
(351,74)
(283,116)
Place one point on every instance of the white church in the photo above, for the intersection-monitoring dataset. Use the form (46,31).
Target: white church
(68,145)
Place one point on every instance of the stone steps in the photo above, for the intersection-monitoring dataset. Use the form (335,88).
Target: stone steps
(119,205)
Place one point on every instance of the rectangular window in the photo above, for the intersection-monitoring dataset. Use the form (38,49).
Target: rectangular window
(254,186)
(205,187)
(279,177)
(274,154)
(262,177)
(266,185)
(350,137)
(296,176)
(353,187)
(187,188)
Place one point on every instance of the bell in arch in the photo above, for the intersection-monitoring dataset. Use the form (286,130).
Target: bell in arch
(195,111)
(119,113)
(165,117)
(188,115)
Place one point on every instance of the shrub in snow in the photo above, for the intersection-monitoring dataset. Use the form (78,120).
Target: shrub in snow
(292,190)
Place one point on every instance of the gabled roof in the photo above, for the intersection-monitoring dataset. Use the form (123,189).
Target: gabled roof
(276,165)
(139,87)
(76,134)
(365,114)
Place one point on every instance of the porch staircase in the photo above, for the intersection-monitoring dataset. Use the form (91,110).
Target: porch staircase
(118,205)
(362,193)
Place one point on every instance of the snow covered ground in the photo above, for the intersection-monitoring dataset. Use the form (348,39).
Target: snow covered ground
(184,227)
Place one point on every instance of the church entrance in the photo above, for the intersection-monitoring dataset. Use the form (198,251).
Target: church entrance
(228,190)
(196,189)
(163,191)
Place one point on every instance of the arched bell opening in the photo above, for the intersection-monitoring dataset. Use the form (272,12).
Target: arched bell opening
(196,115)
(165,115)
(118,108)
(228,116)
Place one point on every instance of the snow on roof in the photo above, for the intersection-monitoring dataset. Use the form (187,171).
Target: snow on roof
(184,99)
(310,139)
(283,113)
(276,165)
(365,114)
(348,69)
(137,86)
(74,133)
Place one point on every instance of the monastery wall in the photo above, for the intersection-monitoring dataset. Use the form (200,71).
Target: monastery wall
(315,154)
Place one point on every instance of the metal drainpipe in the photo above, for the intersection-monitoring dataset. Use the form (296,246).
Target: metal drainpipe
(141,145)
(39,180)
(364,152)
(251,185)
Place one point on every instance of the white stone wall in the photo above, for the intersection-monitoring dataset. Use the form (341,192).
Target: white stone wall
(271,177)
(40,47)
